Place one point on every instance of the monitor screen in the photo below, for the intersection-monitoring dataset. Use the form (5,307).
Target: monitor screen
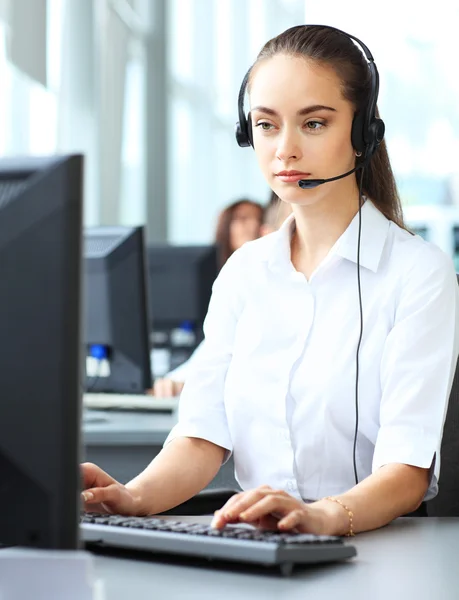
(40,345)
(180,279)
(116,310)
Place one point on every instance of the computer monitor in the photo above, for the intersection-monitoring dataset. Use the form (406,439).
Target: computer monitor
(116,310)
(40,350)
(180,280)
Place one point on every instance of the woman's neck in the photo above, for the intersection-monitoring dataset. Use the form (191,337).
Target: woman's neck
(318,227)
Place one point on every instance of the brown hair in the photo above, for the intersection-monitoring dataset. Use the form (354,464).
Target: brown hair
(222,234)
(331,47)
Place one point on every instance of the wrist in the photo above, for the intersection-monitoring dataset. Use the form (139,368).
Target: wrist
(336,518)
(138,505)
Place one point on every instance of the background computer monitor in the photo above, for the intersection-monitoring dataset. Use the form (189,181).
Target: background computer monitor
(116,310)
(180,280)
(40,345)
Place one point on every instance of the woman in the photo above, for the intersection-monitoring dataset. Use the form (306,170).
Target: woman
(238,223)
(285,350)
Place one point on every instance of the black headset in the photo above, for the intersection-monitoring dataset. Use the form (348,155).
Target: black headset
(367,130)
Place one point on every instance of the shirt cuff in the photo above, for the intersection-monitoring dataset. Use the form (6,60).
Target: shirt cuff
(194,430)
(409,446)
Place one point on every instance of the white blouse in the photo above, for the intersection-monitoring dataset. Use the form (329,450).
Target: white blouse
(275,381)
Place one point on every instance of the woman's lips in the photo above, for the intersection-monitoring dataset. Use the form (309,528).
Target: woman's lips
(291,177)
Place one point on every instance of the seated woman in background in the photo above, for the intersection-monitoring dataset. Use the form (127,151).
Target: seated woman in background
(238,223)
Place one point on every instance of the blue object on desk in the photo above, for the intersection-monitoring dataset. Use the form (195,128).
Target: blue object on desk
(98,351)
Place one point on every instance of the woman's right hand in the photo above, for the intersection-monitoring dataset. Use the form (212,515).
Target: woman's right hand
(103,494)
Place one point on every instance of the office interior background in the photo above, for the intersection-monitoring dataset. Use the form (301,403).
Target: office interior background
(147,90)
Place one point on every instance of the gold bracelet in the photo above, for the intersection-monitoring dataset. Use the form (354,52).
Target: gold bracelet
(350,533)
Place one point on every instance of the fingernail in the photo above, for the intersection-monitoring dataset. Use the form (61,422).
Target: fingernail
(243,516)
(87,496)
(229,515)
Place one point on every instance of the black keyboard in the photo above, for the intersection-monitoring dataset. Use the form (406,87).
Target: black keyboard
(233,543)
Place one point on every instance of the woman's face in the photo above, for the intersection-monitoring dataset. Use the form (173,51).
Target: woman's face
(301,124)
(245,225)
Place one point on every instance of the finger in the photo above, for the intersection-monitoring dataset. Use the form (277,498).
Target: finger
(94,477)
(90,473)
(164,388)
(220,520)
(98,495)
(268,522)
(271,503)
(168,388)
(234,504)
(295,521)
(231,510)
(158,388)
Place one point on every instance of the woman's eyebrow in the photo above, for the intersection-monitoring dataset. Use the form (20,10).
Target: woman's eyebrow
(302,112)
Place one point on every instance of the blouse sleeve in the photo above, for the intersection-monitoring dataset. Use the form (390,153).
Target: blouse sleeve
(418,365)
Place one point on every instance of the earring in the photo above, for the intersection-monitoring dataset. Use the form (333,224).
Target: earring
(359,154)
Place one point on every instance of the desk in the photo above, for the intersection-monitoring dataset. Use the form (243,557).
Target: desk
(410,559)
(126,428)
(123,443)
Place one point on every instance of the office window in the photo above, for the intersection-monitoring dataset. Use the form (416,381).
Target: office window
(416,54)
(5,92)
(93,102)
(211,47)
(43,109)
(133,175)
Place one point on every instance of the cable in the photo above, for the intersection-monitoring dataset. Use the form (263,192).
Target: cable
(361,331)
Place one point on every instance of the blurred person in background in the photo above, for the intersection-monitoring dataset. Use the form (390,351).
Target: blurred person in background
(238,223)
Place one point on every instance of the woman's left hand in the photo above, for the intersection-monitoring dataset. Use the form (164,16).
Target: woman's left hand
(271,509)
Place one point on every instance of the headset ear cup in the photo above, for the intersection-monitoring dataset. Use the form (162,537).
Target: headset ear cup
(380,129)
(375,135)
(357,138)
(242,136)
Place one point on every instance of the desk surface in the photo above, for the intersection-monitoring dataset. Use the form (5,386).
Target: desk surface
(105,428)
(411,558)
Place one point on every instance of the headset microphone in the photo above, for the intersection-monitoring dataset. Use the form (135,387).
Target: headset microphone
(309,184)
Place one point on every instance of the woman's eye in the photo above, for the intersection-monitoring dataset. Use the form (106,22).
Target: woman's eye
(314,125)
(264,126)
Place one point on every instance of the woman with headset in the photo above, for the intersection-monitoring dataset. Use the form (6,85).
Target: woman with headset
(331,344)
